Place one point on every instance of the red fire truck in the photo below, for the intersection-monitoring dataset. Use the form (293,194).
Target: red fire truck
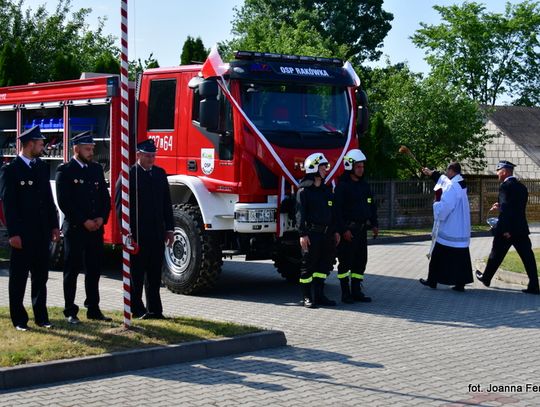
(233,147)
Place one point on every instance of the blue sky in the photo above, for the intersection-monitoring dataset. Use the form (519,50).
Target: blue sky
(161,26)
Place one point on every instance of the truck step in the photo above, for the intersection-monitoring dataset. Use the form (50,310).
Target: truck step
(231,252)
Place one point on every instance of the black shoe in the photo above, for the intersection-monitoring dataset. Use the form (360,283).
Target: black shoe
(73,320)
(137,314)
(97,316)
(308,303)
(529,291)
(152,315)
(459,288)
(46,325)
(480,277)
(427,283)
(22,327)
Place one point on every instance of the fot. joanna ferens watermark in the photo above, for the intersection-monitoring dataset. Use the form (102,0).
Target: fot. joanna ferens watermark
(504,388)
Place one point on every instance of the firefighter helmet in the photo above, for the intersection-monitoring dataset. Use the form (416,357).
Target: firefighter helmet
(352,157)
(311,164)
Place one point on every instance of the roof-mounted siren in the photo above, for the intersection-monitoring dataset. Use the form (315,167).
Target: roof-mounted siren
(362,123)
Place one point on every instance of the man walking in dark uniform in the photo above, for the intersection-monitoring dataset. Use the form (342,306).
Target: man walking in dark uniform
(32,222)
(316,225)
(84,198)
(512,228)
(152,223)
(356,212)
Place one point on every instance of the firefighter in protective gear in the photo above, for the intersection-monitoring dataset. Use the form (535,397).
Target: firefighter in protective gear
(318,236)
(356,213)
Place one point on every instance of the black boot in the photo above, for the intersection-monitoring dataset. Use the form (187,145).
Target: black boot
(320,298)
(307,300)
(346,296)
(357,293)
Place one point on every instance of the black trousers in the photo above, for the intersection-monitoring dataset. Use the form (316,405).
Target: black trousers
(353,255)
(146,272)
(82,249)
(33,258)
(500,247)
(318,261)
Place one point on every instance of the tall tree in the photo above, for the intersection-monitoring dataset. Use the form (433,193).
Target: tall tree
(65,67)
(107,63)
(484,53)
(436,121)
(14,66)
(193,51)
(45,35)
(355,27)
(136,66)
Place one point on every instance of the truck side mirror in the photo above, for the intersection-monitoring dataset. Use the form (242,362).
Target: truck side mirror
(362,122)
(209,114)
(209,107)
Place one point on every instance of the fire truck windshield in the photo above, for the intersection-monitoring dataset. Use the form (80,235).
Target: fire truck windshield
(298,115)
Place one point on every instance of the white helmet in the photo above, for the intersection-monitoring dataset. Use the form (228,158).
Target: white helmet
(311,164)
(352,157)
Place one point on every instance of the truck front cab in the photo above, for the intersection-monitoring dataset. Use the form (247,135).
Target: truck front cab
(234,146)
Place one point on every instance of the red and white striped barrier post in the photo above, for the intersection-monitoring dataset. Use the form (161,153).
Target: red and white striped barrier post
(126,232)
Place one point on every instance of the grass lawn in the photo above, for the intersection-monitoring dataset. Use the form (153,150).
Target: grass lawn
(512,262)
(66,341)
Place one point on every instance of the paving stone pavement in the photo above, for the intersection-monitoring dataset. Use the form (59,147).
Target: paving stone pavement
(411,346)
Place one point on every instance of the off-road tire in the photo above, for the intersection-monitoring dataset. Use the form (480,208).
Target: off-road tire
(56,255)
(193,264)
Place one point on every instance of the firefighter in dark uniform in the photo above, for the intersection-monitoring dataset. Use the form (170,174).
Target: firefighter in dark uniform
(32,222)
(152,224)
(356,213)
(512,228)
(84,199)
(316,226)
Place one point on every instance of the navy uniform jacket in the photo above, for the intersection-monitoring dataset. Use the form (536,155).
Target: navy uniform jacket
(26,194)
(151,212)
(354,203)
(513,196)
(314,206)
(82,193)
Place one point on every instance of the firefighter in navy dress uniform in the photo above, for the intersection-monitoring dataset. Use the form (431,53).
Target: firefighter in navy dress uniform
(84,199)
(317,229)
(152,224)
(356,213)
(512,228)
(32,222)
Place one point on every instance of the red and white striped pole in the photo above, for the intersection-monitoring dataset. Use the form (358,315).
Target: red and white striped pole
(126,232)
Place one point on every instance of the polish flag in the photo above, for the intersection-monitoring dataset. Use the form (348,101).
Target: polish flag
(213,66)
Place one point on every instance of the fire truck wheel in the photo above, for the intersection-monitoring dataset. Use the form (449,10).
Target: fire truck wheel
(193,263)
(56,255)
(287,263)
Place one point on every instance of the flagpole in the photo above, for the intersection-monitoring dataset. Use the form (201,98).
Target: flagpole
(126,229)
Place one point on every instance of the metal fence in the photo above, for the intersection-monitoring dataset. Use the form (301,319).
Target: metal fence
(408,204)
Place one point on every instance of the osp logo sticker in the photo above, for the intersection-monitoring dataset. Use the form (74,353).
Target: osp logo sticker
(207,160)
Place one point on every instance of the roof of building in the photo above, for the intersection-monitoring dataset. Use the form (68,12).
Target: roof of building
(521,124)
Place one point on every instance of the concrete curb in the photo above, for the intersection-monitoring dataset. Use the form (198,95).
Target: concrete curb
(72,369)
(416,238)
(512,278)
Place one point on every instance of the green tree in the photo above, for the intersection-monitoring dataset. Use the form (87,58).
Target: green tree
(14,66)
(351,29)
(107,63)
(136,66)
(65,67)
(484,53)
(45,35)
(436,121)
(193,50)
(380,149)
